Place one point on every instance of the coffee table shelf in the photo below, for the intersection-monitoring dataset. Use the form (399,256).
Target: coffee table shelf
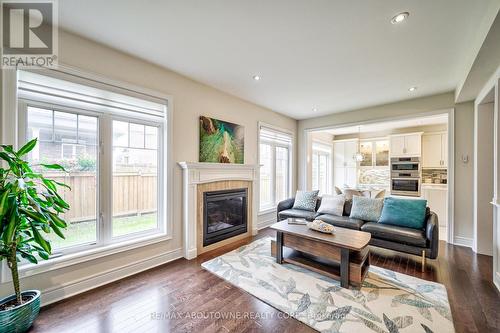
(342,256)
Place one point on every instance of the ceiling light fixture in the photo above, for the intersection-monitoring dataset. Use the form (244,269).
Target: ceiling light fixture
(256,77)
(411,89)
(315,109)
(400,17)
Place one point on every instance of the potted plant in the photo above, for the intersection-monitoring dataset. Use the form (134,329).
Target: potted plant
(29,208)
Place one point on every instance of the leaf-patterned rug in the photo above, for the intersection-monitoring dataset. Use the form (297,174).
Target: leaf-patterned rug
(387,302)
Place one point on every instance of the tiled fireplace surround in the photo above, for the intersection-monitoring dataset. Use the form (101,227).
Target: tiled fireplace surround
(202,177)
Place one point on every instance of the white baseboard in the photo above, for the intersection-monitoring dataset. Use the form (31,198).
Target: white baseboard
(266,223)
(463,241)
(72,288)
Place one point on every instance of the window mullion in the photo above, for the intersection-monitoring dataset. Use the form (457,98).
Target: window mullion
(105,180)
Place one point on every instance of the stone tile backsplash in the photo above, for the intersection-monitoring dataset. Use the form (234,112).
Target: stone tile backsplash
(434,176)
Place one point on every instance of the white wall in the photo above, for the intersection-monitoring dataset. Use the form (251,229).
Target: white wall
(191,99)
(483,178)
(464,145)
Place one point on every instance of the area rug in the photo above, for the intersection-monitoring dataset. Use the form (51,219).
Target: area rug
(387,301)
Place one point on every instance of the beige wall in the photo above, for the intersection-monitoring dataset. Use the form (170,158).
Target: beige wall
(191,99)
(464,144)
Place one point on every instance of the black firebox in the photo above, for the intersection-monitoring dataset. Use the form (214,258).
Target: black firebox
(224,214)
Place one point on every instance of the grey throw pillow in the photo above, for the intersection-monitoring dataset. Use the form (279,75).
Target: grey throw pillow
(366,209)
(332,204)
(306,200)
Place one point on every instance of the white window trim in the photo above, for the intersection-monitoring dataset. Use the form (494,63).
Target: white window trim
(271,209)
(325,149)
(12,120)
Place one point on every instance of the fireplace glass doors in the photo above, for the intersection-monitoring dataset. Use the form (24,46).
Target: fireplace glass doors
(224,215)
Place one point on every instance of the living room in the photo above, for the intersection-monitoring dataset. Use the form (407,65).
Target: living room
(186,129)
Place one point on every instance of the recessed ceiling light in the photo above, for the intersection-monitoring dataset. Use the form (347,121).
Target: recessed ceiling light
(412,88)
(256,77)
(315,109)
(400,17)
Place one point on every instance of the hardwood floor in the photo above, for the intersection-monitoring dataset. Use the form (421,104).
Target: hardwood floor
(174,297)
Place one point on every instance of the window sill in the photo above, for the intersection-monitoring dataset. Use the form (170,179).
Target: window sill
(81,257)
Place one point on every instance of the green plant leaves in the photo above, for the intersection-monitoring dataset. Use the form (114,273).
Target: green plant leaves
(41,241)
(54,167)
(27,147)
(4,202)
(8,233)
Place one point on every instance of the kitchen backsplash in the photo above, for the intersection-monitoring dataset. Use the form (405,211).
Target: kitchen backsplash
(373,176)
(434,176)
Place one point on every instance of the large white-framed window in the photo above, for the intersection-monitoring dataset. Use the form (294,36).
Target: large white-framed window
(275,160)
(114,143)
(321,167)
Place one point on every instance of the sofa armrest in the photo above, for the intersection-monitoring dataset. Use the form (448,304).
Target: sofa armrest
(432,234)
(283,205)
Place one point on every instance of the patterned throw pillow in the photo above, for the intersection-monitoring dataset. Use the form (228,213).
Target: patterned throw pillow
(332,204)
(306,200)
(366,209)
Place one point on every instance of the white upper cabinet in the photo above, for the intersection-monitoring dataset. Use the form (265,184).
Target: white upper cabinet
(406,145)
(397,145)
(344,164)
(435,150)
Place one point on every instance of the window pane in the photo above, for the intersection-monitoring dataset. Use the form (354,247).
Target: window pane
(87,129)
(151,137)
(40,124)
(135,185)
(314,167)
(281,173)
(136,136)
(65,127)
(266,197)
(80,161)
(120,133)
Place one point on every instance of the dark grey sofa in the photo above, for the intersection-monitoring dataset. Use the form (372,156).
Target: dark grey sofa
(422,242)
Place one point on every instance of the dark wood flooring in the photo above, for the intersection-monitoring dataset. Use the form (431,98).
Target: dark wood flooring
(182,297)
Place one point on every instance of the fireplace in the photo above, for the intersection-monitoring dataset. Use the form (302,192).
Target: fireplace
(224,214)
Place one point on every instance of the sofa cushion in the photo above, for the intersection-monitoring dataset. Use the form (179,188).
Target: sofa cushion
(299,213)
(367,209)
(306,200)
(409,213)
(332,204)
(341,221)
(396,234)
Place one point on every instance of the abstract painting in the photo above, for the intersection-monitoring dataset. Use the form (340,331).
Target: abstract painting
(221,141)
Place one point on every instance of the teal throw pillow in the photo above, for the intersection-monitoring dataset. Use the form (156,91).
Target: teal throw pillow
(366,209)
(409,213)
(306,200)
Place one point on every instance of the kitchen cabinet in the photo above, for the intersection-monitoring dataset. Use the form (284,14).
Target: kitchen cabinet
(344,163)
(437,200)
(435,150)
(406,145)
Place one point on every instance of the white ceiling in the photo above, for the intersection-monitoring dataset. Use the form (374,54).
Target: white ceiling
(335,55)
(440,119)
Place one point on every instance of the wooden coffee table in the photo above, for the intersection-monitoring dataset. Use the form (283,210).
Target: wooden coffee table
(344,255)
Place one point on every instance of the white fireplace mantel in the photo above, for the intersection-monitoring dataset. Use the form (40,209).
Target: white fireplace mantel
(200,173)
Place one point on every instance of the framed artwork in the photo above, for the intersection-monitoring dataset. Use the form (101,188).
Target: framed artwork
(221,141)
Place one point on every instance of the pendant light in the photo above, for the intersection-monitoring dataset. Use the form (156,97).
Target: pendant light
(358,157)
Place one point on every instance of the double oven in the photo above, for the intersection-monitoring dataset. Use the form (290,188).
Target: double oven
(405,176)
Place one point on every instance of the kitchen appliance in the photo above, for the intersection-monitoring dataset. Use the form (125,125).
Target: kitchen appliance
(406,176)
